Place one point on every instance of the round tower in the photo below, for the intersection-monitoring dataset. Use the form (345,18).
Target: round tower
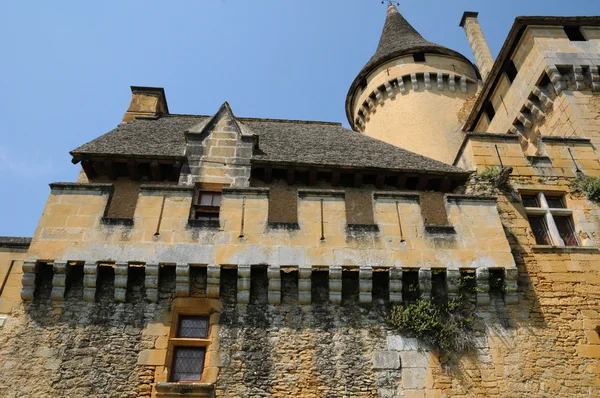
(412,92)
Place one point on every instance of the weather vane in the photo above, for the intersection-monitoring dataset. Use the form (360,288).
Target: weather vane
(391,3)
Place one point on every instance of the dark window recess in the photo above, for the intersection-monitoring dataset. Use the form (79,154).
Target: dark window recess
(489,111)
(188,364)
(419,57)
(206,206)
(555,202)
(540,230)
(574,33)
(530,201)
(511,70)
(566,230)
(193,327)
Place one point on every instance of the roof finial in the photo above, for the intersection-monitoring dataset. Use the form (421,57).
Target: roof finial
(391,3)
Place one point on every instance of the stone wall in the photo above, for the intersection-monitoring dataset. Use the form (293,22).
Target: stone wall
(109,349)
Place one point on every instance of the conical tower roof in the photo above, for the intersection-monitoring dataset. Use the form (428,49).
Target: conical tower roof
(398,38)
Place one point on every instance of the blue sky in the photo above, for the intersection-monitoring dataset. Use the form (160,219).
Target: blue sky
(66,67)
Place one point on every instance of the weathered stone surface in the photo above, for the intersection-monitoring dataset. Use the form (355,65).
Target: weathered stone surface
(386,360)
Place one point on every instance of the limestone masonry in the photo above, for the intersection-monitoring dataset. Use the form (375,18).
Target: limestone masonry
(219,256)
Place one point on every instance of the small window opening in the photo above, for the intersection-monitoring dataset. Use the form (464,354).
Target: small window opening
(410,285)
(490,111)
(350,287)
(574,33)
(206,206)
(289,287)
(511,70)
(320,287)
(419,57)
(259,285)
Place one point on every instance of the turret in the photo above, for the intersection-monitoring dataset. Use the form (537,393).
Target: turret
(412,93)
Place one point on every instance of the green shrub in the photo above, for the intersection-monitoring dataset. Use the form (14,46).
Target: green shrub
(489,173)
(590,186)
(446,327)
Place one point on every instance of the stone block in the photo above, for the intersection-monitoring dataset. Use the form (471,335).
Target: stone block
(386,360)
(156,329)
(415,359)
(213,282)
(152,357)
(304,286)
(588,350)
(401,343)
(414,379)
(182,279)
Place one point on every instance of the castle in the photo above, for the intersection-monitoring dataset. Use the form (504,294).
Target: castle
(220,256)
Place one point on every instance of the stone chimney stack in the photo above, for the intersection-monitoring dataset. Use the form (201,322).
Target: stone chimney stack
(146,102)
(481,51)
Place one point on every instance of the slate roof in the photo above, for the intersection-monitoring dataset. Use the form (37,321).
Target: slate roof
(12,241)
(280,141)
(398,38)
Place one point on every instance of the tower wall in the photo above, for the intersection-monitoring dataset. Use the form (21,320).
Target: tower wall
(417,106)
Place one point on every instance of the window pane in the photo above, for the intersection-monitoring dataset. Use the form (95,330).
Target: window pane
(216,199)
(187,364)
(207,216)
(193,327)
(555,202)
(206,198)
(540,230)
(530,201)
(566,230)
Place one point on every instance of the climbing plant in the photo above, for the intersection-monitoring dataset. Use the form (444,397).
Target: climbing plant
(446,326)
(588,185)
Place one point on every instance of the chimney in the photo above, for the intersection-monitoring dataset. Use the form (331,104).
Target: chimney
(146,102)
(481,51)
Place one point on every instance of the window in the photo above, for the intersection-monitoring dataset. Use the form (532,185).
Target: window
(206,206)
(574,33)
(419,57)
(489,111)
(511,70)
(188,348)
(550,220)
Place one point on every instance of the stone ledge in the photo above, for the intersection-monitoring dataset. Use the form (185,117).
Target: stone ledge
(200,390)
(72,186)
(166,188)
(397,195)
(564,249)
(333,193)
(246,191)
(552,138)
(463,197)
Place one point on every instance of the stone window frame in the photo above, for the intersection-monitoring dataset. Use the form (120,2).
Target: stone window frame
(202,308)
(549,213)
